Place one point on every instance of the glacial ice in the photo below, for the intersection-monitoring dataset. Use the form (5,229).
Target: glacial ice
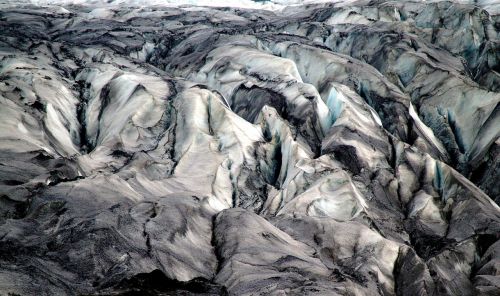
(330,148)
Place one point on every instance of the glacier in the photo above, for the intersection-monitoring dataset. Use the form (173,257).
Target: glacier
(249,148)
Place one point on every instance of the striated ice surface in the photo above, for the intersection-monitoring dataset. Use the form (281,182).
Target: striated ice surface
(249,148)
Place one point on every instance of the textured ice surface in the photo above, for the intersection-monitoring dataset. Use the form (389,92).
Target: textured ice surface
(275,148)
